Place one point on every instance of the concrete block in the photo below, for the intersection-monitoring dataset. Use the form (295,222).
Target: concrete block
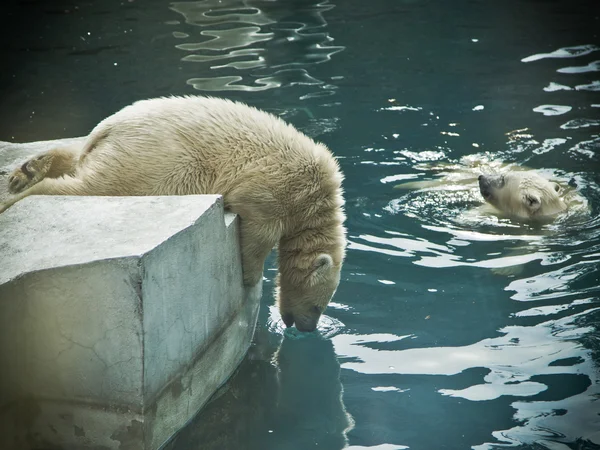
(119,317)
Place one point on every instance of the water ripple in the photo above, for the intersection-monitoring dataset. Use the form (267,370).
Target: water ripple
(558,283)
(256,46)
(327,327)
(228,39)
(589,148)
(553,110)
(524,362)
(593,86)
(565,52)
(591,67)
(522,352)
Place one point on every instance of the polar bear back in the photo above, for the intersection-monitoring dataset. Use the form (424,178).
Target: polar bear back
(204,145)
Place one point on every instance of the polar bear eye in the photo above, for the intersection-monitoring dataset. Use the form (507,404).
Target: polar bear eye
(316,310)
(531,200)
(556,187)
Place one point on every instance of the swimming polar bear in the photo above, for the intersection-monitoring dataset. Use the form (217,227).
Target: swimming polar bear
(540,206)
(285,187)
(509,190)
(523,195)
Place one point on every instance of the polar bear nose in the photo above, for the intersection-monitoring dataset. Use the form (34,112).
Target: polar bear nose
(484,182)
(484,186)
(288,319)
(306,325)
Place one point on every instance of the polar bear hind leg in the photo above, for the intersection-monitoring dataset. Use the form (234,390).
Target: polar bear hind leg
(66,185)
(54,163)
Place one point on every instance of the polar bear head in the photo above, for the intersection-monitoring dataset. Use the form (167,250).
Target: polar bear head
(524,195)
(303,295)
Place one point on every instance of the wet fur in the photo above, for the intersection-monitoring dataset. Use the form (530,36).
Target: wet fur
(465,174)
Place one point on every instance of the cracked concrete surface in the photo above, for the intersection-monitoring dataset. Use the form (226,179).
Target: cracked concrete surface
(119,316)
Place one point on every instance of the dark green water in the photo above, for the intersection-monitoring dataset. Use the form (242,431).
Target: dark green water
(426,345)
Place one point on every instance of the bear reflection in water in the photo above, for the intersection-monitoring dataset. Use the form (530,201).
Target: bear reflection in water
(285,397)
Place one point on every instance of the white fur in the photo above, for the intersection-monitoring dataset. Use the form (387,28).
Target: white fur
(525,195)
(285,187)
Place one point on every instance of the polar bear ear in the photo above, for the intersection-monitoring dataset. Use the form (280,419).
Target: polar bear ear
(532,201)
(321,265)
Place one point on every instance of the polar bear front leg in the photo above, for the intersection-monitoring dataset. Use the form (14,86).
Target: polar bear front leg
(256,244)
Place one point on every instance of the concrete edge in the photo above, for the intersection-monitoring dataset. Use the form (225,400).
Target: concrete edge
(201,372)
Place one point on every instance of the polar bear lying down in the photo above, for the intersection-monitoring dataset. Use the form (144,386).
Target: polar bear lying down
(285,187)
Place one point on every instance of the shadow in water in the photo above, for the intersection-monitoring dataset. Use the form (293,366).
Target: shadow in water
(285,395)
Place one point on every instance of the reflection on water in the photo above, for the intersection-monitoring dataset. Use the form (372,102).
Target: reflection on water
(567,52)
(544,280)
(521,353)
(286,395)
(449,330)
(257,45)
(482,328)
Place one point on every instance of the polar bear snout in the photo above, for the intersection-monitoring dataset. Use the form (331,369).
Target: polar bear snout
(303,323)
(484,187)
(307,324)
(288,319)
(488,184)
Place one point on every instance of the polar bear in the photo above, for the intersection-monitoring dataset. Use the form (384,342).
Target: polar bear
(286,188)
(509,190)
(523,195)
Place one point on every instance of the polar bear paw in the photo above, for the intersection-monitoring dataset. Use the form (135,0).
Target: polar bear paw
(31,172)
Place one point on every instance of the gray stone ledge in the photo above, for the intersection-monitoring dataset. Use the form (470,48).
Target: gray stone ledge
(119,316)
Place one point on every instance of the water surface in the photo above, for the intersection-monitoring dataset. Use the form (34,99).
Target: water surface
(448,330)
